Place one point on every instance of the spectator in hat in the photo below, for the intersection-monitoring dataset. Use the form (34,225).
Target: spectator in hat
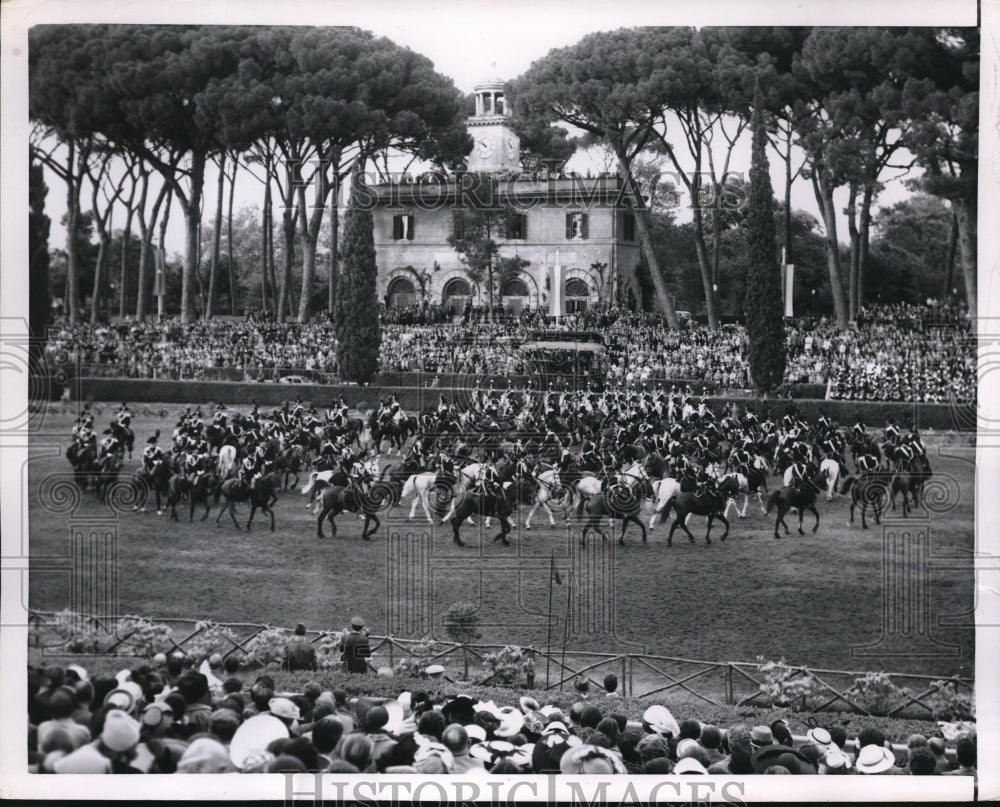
(874,760)
(198,713)
(965,751)
(922,761)
(205,755)
(711,740)
(739,761)
(690,729)
(432,724)
(356,749)
(62,706)
(299,654)
(326,733)
(590,716)
(357,650)
(941,765)
(223,724)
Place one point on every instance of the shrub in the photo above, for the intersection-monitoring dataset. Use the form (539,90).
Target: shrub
(461,623)
(328,649)
(139,636)
(422,657)
(504,666)
(785,686)
(948,703)
(877,692)
(211,638)
(268,646)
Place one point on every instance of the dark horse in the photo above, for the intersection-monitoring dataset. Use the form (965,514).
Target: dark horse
(339,499)
(84,462)
(485,504)
(159,480)
(615,504)
(709,504)
(801,499)
(909,480)
(235,490)
(870,489)
(198,491)
(124,435)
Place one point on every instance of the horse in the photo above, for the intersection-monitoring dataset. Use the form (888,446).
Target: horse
(262,496)
(352,499)
(614,506)
(105,473)
(226,462)
(319,480)
(84,461)
(862,446)
(124,435)
(664,492)
(909,480)
(198,491)
(548,488)
(485,504)
(159,480)
(706,504)
(801,499)
(870,489)
(830,469)
(419,487)
(631,476)
(291,461)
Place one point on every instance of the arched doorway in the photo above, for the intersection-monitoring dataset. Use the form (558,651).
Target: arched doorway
(514,295)
(577,295)
(401,293)
(456,294)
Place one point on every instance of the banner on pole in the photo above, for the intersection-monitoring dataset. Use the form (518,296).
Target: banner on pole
(557,304)
(160,281)
(789,287)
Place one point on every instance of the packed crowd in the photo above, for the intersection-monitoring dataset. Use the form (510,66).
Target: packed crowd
(166,718)
(894,353)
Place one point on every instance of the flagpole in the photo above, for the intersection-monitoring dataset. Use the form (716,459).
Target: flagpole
(548,641)
(569,591)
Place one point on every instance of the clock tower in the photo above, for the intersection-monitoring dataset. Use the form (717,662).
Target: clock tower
(496,148)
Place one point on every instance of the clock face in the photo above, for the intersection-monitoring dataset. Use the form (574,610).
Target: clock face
(510,146)
(485,145)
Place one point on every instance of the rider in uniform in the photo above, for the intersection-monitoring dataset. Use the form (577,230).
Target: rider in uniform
(799,472)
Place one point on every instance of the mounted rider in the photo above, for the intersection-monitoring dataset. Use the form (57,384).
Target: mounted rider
(152,455)
(123,415)
(488,480)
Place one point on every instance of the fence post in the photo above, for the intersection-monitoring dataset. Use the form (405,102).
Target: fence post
(730,696)
(631,669)
(623,675)
(391,664)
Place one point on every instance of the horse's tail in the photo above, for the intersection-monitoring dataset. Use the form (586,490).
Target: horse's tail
(409,487)
(848,483)
(772,500)
(311,483)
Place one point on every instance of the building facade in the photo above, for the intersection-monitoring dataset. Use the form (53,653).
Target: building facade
(576,233)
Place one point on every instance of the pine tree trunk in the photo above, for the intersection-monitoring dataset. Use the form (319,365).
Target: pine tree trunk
(265,231)
(949,277)
(711,303)
(855,236)
(965,213)
(192,220)
(216,240)
(865,226)
(229,243)
(824,198)
(285,283)
(645,240)
(73,182)
(334,250)
(126,238)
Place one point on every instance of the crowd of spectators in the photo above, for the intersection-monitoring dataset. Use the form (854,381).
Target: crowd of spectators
(892,353)
(166,718)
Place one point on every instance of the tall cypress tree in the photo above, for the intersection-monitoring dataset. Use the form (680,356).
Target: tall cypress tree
(39,300)
(765,327)
(359,333)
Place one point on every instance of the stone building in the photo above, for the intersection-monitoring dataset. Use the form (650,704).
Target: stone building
(577,233)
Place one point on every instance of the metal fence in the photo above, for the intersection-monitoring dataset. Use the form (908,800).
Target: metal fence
(734,683)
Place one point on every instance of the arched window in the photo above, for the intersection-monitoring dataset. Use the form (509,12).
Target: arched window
(401,293)
(515,287)
(456,294)
(577,295)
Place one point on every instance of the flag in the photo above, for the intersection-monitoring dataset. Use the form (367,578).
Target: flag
(555,572)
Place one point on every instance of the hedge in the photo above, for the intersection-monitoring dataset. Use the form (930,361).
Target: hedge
(960,417)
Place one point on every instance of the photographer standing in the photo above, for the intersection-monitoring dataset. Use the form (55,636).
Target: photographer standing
(356,648)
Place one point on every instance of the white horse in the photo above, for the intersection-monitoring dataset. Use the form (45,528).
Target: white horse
(633,475)
(664,491)
(830,468)
(742,486)
(465,478)
(419,487)
(548,481)
(226,461)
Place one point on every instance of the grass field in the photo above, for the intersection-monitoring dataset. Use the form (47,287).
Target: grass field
(813,599)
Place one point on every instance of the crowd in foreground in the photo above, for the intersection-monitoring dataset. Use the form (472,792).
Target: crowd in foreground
(167,718)
(892,353)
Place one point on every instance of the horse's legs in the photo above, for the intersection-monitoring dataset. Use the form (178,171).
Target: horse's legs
(413,507)
(815,512)
(708,531)
(552,520)
(232,513)
(319,522)
(802,511)
(456,524)
(504,530)
(207,508)
(253,510)
(378,524)
(364,527)
(531,512)
(725,521)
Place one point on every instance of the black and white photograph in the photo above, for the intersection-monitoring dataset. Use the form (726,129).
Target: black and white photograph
(467,402)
